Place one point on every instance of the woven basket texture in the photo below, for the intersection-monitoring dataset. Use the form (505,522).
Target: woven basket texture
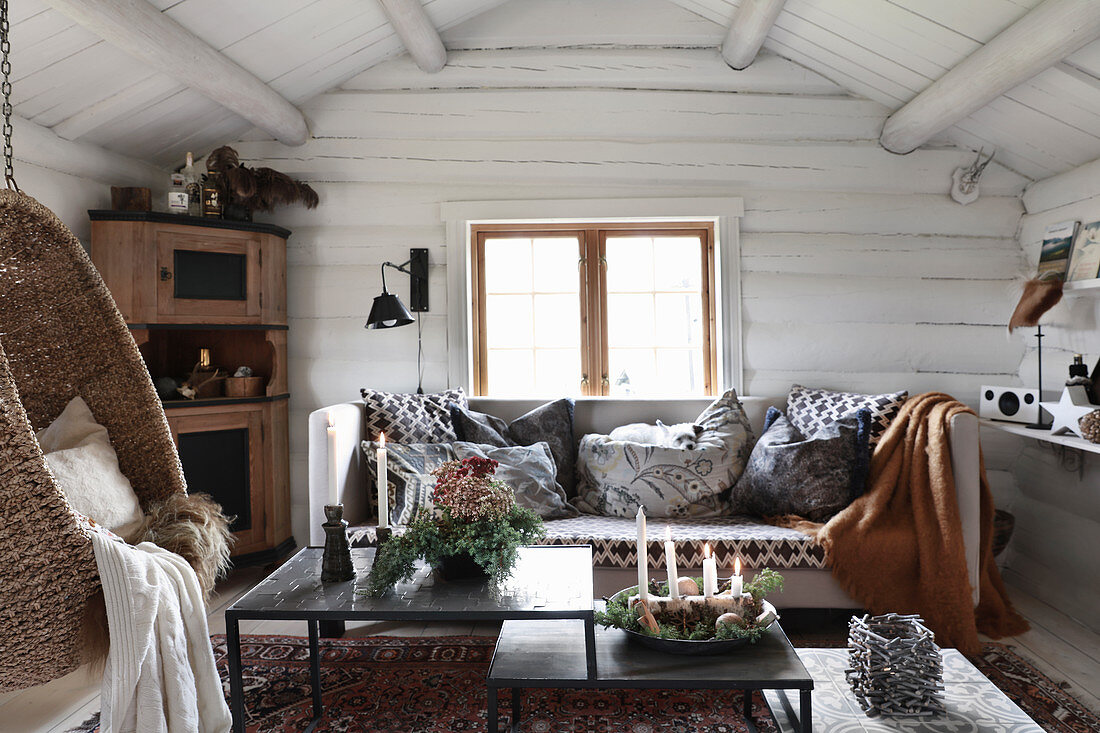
(60,336)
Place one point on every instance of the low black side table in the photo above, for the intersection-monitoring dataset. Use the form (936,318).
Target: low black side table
(547,583)
(538,654)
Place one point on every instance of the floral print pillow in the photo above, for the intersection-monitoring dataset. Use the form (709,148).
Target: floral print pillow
(615,478)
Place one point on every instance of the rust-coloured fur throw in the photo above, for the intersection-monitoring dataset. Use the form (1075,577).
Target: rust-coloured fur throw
(899,547)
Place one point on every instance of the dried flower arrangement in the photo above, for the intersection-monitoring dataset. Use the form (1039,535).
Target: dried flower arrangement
(475,515)
(256,189)
(694,621)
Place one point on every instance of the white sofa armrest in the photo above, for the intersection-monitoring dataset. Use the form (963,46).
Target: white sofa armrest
(347,419)
(966,469)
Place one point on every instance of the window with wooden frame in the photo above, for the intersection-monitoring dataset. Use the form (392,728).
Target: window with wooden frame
(604,309)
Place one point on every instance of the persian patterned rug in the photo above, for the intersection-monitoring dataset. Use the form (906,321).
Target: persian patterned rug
(437,685)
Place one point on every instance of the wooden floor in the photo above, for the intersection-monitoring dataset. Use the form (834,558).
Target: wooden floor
(1056,644)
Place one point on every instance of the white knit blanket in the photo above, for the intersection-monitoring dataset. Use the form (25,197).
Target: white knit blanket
(160,675)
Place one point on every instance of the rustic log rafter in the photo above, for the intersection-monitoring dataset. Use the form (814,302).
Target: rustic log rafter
(748,29)
(416,31)
(1037,41)
(140,30)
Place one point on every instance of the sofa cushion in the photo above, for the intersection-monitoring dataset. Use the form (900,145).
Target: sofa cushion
(551,423)
(810,409)
(808,476)
(616,477)
(410,418)
(759,545)
(528,470)
(613,542)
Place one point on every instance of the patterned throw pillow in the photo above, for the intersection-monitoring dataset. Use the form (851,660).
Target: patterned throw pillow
(551,423)
(527,470)
(616,477)
(409,469)
(411,418)
(810,410)
(808,476)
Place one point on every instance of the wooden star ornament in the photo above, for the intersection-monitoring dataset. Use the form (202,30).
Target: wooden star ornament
(1068,411)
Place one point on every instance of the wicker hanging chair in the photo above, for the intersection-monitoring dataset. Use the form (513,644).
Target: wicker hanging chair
(61,336)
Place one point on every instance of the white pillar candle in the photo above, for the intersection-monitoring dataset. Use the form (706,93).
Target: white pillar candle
(736,583)
(383,484)
(670,564)
(710,573)
(643,558)
(333,490)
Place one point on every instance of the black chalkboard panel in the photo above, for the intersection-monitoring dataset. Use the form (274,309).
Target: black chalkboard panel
(215,462)
(210,275)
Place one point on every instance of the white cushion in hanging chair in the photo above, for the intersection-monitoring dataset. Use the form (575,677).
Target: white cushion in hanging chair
(85,466)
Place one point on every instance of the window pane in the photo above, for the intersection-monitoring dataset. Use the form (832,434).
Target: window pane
(633,371)
(555,264)
(630,320)
(507,265)
(557,321)
(680,371)
(557,371)
(510,372)
(533,319)
(655,315)
(629,264)
(679,319)
(509,321)
(678,263)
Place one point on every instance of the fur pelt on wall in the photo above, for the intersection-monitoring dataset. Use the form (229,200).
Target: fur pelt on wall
(1038,297)
(190,525)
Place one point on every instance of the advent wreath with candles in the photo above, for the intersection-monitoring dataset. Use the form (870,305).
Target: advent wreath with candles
(692,609)
(474,532)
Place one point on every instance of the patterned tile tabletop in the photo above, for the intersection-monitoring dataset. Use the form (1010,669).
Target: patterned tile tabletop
(546,582)
(974,704)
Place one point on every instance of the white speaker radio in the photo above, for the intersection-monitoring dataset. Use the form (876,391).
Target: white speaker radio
(1014,404)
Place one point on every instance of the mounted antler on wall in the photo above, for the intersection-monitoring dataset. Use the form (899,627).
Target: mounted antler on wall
(964,181)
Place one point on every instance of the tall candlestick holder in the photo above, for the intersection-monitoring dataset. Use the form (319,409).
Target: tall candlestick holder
(336,562)
(382,535)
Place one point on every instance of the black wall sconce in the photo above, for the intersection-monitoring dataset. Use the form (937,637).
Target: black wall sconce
(388,311)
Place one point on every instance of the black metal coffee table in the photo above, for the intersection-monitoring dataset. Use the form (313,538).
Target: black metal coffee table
(547,583)
(543,654)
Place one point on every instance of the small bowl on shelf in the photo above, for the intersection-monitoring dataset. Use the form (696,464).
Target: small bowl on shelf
(244,386)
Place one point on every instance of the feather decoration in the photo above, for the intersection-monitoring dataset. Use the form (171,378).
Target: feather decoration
(259,189)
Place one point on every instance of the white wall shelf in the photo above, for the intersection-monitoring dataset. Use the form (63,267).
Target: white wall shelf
(1082,287)
(1069,440)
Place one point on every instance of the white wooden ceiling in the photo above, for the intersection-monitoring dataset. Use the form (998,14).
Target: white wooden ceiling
(69,80)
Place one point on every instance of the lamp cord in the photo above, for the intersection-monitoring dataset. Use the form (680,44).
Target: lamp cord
(420,355)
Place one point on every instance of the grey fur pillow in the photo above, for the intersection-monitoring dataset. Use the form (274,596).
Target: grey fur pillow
(813,477)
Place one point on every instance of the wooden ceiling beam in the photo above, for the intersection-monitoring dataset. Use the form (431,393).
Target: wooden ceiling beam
(416,31)
(751,23)
(40,146)
(161,44)
(1040,39)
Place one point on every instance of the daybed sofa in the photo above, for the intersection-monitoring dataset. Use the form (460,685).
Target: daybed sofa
(809,583)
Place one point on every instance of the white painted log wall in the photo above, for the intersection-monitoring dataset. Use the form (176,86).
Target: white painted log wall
(858,271)
(1058,510)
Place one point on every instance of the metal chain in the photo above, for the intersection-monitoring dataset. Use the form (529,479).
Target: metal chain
(5,90)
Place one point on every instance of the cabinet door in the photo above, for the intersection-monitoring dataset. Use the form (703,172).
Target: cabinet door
(223,456)
(205,278)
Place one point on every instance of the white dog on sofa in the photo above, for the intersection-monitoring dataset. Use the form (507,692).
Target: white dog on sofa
(682,435)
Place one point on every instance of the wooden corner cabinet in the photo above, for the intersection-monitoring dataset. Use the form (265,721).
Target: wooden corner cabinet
(186,284)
